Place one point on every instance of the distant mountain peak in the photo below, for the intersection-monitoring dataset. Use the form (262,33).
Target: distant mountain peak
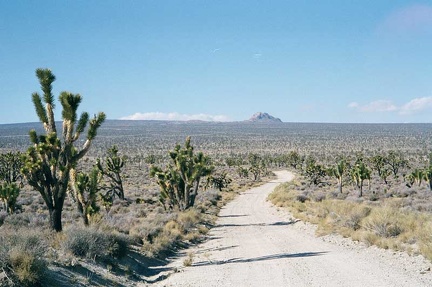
(264,117)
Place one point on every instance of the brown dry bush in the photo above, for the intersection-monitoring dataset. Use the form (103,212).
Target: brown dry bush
(22,257)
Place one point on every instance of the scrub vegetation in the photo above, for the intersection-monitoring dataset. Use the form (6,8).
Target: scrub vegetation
(99,202)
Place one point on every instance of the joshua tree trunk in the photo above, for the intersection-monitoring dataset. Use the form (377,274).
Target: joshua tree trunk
(85,218)
(55,219)
(194,193)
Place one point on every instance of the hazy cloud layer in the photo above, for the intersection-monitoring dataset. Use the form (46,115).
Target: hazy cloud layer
(414,106)
(176,117)
(413,18)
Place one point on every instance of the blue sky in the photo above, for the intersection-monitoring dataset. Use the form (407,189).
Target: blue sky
(301,61)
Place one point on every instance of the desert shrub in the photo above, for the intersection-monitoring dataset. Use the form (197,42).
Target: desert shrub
(18,220)
(170,229)
(21,258)
(151,226)
(188,219)
(384,222)
(426,241)
(387,223)
(121,222)
(319,196)
(164,240)
(283,194)
(27,220)
(96,244)
(302,197)
(347,214)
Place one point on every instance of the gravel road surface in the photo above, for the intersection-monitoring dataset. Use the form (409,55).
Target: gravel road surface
(255,244)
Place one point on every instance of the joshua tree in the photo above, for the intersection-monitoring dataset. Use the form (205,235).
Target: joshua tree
(10,167)
(313,171)
(112,169)
(86,188)
(427,173)
(385,173)
(9,193)
(418,176)
(258,165)
(10,175)
(396,161)
(49,160)
(378,163)
(179,182)
(295,160)
(359,173)
(219,181)
(242,172)
(339,171)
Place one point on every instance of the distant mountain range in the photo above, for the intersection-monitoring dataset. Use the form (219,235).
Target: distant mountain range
(259,117)
(264,118)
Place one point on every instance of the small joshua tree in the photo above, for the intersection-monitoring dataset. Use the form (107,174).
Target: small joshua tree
(338,171)
(257,165)
(10,167)
(86,189)
(9,193)
(359,173)
(112,169)
(179,182)
(10,175)
(313,171)
(219,181)
(50,159)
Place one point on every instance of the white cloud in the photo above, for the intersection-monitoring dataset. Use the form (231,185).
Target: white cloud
(176,117)
(414,106)
(257,55)
(378,106)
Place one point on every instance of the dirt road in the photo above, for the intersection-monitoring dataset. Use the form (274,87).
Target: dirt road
(254,244)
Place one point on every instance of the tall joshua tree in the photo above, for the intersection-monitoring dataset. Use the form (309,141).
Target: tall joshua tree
(180,181)
(50,159)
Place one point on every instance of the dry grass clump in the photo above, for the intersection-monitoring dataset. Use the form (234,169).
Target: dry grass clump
(385,224)
(22,258)
(189,260)
(425,244)
(95,244)
(188,225)
(284,193)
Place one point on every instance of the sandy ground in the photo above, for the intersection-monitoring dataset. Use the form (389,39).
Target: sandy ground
(254,244)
